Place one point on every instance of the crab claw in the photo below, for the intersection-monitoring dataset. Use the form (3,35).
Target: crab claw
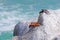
(44,11)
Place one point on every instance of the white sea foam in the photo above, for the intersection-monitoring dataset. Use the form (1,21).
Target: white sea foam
(50,28)
(52,23)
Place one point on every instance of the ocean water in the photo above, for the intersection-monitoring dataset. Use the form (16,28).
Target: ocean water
(12,12)
(11,15)
(9,18)
(8,22)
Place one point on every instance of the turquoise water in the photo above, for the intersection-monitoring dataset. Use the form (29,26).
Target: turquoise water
(11,15)
(6,35)
(13,11)
(8,20)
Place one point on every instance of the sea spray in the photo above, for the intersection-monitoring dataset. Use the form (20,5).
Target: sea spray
(52,23)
